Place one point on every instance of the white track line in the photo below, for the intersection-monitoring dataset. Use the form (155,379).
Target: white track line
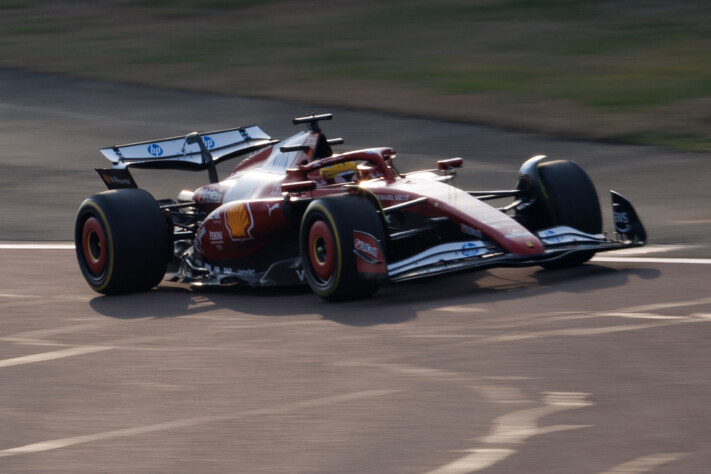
(36,246)
(513,429)
(188,422)
(53,355)
(692,261)
(645,463)
(601,258)
(652,249)
(477,460)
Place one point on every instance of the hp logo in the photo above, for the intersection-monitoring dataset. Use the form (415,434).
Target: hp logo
(209,142)
(155,149)
(469,249)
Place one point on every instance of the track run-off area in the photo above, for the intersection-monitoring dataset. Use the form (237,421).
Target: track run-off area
(597,369)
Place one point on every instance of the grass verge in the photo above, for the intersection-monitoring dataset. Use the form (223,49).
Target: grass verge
(634,71)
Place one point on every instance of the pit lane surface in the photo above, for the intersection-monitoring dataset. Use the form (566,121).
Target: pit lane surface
(599,369)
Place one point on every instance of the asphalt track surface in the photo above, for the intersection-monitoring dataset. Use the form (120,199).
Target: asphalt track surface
(598,369)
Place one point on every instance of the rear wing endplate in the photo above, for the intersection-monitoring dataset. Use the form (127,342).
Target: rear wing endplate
(186,152)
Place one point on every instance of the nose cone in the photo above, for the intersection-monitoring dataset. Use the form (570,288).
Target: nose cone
(469,211)
(520,241)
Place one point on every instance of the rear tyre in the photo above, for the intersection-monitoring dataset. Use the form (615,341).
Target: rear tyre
(572,201)
(123,241)
(327,248)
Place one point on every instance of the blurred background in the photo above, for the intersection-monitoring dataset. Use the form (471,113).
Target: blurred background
(631,72)
(415,378)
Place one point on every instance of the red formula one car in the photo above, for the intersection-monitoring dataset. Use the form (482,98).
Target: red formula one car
(295,212)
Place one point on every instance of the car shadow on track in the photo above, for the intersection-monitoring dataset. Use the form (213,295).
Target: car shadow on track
(393,304)
(499,285)
(172,301)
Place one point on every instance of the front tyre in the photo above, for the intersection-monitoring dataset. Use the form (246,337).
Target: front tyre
(123,241)
(326,243)
(572,201)
(571,196)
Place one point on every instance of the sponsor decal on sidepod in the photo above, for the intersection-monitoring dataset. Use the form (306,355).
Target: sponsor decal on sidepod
(210,196)
(239,221)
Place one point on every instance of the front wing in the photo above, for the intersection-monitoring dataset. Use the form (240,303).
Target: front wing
(560,242)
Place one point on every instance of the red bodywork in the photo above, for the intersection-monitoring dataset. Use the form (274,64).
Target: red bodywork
(293,212)
(242,207)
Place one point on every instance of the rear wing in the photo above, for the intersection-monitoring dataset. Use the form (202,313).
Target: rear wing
(195,151)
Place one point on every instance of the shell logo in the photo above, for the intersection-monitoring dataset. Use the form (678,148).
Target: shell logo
(239,221)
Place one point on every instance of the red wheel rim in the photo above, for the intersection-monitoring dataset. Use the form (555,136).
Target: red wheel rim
(93,240)
(322,252)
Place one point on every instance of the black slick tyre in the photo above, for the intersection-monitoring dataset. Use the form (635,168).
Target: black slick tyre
(326,244)
(123,241)
(572,201)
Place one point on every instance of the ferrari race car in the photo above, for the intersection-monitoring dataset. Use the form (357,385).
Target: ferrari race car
(294,212)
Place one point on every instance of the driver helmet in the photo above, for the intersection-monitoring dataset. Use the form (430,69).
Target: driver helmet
(340,172)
